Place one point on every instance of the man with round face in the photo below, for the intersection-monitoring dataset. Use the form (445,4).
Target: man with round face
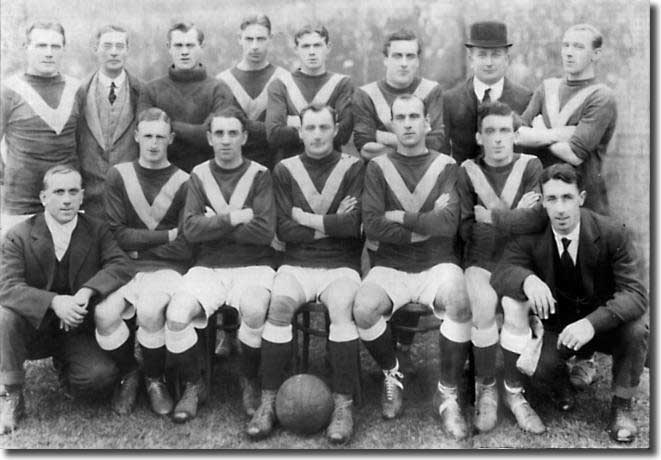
(573,118)
(188,95)
(55,268)
(578,276)
(40,114)
(488,58)
(415,259)
(371,103)
(108,99)
(143,202)
(499,195)
(230,217)
(249,80)
(317,197)
(311,83)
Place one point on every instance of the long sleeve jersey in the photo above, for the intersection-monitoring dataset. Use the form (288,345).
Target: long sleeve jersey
(141,206)
(188,97)
(372,105)
(428,236)
(290,93)
(220,241)
(250,93)
(318,186)
(499,189)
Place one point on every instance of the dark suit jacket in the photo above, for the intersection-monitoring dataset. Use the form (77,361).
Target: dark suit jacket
(460,115)
(607,262)
(28,262)
(95,158)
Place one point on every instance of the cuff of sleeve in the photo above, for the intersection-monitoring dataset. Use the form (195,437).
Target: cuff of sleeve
(602,320)
(576,149)
(410,219)
(315,220)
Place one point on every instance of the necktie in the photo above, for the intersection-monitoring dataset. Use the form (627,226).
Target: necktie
(112,96)
(565,258)
(486,98)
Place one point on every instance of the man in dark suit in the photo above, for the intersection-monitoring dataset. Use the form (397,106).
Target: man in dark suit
(488,56)
(580,276)
(108,99)
(55,267)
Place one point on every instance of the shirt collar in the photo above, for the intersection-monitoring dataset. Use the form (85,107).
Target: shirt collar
(105,80)
(496,89)
(60,233)
(572,237)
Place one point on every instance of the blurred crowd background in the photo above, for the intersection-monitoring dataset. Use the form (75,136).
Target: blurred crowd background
(357,29)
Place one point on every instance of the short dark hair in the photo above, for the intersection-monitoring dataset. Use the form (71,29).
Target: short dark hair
(59,169)
(312,29)
(153,114)
(563,172)
(401,35)
(597,37)
(318,107)
(46,25)
(185,27)
(409,97)
(496,108)
(259,19)
(111,28)
(227,112)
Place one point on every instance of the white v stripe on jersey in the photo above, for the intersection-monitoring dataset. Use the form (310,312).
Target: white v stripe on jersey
(55,118)
(215,196)
(383,109)
(322,96)
(152,215)
(412,202)
(552,99)
(486,192)
(253,108)
(424,88)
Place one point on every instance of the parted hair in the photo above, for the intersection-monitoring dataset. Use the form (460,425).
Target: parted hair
(185,27)
(58,169)
(409,97)
(563,172)
(46,25)
(401,35)
(497,108)
(597,37)
(317,107)
(259,19)
(312,29)
(227,112)
(111,28)
(154,114)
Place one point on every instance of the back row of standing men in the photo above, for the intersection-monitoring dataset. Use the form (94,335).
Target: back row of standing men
(413,217)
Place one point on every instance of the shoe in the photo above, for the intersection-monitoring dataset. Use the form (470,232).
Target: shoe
(403,353)
(525,415)
(263,421)
(583,373)
(622,427)
(250,390)
(226,344)
(12,409)
(159,396)
(564,397)
(126,393)
(340,428)
(446,406)
(186,408)
(486,406)
(393,394)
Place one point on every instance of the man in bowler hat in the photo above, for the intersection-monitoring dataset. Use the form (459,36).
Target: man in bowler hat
(488,56)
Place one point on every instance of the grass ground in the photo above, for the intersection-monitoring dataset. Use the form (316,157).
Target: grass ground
(55,422)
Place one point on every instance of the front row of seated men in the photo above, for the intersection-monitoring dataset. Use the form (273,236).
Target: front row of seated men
(567,272)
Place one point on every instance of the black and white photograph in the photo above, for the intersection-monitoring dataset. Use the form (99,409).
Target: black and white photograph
(329,225)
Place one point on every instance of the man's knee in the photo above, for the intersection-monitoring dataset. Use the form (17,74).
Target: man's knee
(109,311)
(11,322)
(452,296)
(182,309)
(281,310)
(254,304)
(633,334)
(151,312)
(92,376)
(483,299)
(368,305)
(339,299)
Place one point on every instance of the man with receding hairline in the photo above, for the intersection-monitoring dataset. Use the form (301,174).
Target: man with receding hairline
(108,99)
(39,119)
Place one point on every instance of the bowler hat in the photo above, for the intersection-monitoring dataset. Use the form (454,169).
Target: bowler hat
(488,34)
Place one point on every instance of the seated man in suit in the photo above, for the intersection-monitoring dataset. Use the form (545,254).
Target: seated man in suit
(55,267)
(580,276)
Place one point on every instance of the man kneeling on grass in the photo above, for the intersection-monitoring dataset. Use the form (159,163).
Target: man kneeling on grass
(579,276)
(55,267)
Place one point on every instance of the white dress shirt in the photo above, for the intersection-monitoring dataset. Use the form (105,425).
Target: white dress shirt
(573,245)
(105,81)
(60,233)
(496,89)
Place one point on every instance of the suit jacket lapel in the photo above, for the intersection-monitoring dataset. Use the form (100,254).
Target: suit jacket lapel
(42,247)
(128,111)
(80,244)
(507,94)
(545,254)
(92,112)
(588,251)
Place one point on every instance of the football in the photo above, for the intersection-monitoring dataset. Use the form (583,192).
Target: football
(304,404)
